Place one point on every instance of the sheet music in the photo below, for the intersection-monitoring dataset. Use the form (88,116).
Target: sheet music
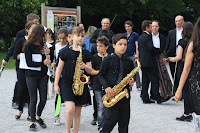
(35,58)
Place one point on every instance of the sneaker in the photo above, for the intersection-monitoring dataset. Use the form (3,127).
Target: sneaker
(41,123)
(94,121)
(33,127)
(57,121)
(184,118)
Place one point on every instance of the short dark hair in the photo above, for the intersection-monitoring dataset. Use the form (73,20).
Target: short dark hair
(145,24)
(31,17)
(104,40)
(129,23)
(104,33)
(70,31)
(117,37)
(29,24)
(52,33)
(62,30)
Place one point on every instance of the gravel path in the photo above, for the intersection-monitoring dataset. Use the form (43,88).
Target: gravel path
(145,118)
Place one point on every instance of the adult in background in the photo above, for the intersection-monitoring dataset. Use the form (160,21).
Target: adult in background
(173,37)
(81,25)
(132,48)
(156,45)
(105,22)
(148,64)
(88,35)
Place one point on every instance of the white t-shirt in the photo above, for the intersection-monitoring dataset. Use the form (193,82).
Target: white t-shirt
(58,47)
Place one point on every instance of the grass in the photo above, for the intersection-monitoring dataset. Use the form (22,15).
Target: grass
(11,62)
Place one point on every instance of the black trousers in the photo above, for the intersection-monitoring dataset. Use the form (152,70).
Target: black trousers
(15,95)
(34,83)
(22,89)
(119,113)
(188,103)
(150,75)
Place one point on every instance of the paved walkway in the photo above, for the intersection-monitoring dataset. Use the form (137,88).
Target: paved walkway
(145,118)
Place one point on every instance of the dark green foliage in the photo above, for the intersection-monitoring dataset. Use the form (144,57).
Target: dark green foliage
(13,13)
(13,16)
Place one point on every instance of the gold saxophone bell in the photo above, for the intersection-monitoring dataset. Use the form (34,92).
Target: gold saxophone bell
(110,101)
(84,79)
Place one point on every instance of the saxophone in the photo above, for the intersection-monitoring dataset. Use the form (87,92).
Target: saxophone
(79,78)
(110,101)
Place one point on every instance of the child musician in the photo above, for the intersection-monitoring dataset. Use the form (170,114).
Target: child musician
(62,36)
(113,69)
(36,78)
(66,67)
(22,90)
(102,46)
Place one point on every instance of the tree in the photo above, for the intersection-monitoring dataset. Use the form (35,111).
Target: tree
(13,16)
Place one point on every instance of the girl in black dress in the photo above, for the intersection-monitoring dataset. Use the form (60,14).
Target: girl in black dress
(186,34)
(192,68)
(66,68)
(22,90)
(36,79)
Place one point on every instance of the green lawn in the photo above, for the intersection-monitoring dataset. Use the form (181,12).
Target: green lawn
(11,62)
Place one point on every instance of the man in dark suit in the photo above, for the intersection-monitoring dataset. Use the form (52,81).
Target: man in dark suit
(173,37)
(156,45)
(147,61)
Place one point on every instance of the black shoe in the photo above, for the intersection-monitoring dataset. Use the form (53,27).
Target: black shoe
(160,100)
(148,101)
(33,127)
(184,118)
(15,105)
(18,116)
(94,121)
(41,123)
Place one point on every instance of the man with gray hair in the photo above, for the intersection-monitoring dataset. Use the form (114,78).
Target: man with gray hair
(173,37)
(105,22)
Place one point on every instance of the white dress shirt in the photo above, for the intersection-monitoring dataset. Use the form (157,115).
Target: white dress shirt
(156,40)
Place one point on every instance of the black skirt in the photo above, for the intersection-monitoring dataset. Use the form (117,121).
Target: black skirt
(68,95)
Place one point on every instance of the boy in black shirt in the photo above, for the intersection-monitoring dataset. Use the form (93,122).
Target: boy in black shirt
(113,69)
(102,46)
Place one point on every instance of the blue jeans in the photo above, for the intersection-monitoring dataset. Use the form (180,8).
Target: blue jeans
(100,107)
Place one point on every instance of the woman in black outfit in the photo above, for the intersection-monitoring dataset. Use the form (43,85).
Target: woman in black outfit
(182,44)
(36,79)
(22,90)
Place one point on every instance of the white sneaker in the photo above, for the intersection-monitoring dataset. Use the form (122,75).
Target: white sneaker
(57,122)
